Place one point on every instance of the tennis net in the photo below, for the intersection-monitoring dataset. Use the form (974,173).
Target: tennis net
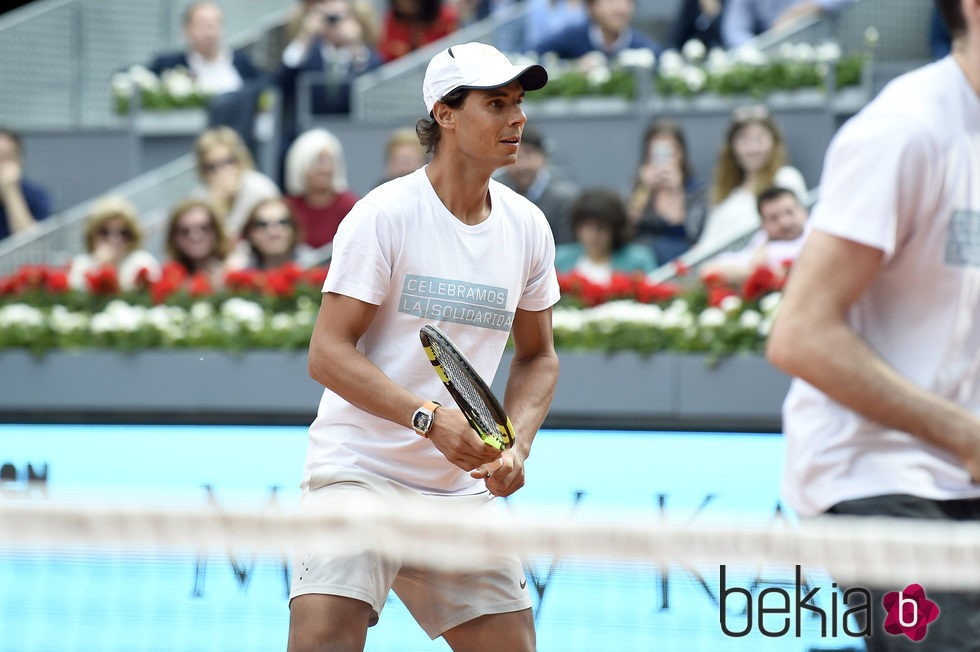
(99,575)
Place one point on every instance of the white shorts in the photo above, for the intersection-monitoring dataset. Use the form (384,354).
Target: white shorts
(438,601)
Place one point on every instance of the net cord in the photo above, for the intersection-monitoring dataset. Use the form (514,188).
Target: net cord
(868,551)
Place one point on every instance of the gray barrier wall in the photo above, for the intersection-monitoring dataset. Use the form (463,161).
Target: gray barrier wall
(663,391)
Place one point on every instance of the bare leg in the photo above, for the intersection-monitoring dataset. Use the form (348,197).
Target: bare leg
(327,623)
(513,631)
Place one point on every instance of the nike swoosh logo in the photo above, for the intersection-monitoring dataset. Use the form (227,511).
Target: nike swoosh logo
(523,583)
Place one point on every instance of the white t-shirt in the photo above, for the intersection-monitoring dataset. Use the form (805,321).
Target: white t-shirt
(401,249)
(902,176)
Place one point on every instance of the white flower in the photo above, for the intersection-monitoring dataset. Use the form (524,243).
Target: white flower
(750,55)
(731,303)
(770,302)
(201,311)
(598,76)
(695,78)
(120,316)
(718,61)
(143,78)
(21,314)
(65,321)
(805,52)
(871,35)
(637,58)
(242,312)
(750,320)
(694,50)
(178,83)
(712,318)
(122,85)
(569,319)
(828,51)
(671,63)
(765,326)
(282,321)
(786,50)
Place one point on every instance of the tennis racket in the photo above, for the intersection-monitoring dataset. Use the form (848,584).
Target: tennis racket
(471,393)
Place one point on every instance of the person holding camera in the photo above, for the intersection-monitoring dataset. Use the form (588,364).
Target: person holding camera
(330,42)
(668,205)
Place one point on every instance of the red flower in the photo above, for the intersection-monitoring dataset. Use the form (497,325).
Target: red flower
(762,281)
(315,276)
(199,286)
(103,280)
(717,294)
(656,292)
(243,280)
(712,279)
(681,268)
(30,277)
(56,282)
(620,286)
(173,272)
(143,279)
(291,272)
(279,283)
(162,289)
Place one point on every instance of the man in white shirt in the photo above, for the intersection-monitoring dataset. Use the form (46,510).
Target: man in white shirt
(878,321)
(775,245)
(215,68)
(415,251)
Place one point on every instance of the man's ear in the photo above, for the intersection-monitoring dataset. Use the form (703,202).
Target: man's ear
(444,115)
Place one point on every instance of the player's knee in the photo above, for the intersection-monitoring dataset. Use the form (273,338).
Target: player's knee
(325,637)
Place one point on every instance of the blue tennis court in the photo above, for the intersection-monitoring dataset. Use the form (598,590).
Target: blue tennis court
(74,601)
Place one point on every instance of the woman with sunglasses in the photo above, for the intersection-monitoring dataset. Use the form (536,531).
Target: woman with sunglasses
(228,176)
(113,238)
(272,237)
(196,240)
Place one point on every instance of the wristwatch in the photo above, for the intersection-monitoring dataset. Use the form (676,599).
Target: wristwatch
(423,418)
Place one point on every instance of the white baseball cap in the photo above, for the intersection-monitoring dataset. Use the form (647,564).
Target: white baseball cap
(476,66)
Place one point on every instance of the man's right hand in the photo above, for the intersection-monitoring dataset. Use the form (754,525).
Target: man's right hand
(452,435)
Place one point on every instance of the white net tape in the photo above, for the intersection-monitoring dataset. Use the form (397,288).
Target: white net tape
(868,551)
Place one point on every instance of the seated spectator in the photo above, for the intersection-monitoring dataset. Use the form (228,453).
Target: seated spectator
(23,203)
(743,20)
(607,31)
(272,238)
(669,205)
(316,183)
(404,154)
(215,68)
(363,11)
(113,238)
(197,241)
(330,42)
(228,176)
(752,158)
(533,177)
(700,20)
(775,245)
(410,24)
(545,18)
(602,240)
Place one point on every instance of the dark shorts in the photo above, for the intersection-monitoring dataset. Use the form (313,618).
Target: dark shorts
(958,627)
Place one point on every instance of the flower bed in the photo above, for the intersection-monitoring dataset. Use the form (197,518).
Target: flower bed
(277,309)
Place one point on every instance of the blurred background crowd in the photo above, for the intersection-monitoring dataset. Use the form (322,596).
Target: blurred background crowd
(197,139)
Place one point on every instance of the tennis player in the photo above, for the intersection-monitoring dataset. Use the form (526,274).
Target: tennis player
(449,246)
(880,321)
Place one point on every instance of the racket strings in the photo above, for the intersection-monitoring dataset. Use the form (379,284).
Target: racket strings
(461,380)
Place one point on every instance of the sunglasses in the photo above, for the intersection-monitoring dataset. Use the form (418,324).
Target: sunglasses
(106,232)
(203,229)
(750,113)
(213,166)
(265,223)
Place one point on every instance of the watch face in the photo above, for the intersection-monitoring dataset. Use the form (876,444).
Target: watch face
(422,420)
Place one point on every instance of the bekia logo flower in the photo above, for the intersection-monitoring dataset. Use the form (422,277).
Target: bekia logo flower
(909,612)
